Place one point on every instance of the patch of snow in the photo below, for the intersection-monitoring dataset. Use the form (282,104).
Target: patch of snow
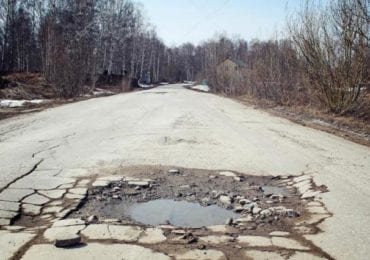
(20,103)
(141,85)
(99,91)
(204,88)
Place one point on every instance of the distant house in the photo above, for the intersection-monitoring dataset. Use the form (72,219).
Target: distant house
(229,66)
(230,76)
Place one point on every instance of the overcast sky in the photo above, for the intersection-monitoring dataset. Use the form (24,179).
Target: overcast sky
(179,21)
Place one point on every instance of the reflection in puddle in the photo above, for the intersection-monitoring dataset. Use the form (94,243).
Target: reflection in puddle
(178,213)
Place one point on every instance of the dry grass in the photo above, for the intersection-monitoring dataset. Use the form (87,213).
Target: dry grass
(354,127)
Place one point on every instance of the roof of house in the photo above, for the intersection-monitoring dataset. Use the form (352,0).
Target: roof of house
(237,62)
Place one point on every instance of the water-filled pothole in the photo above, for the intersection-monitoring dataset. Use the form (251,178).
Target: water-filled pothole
(195,198)
(178,213)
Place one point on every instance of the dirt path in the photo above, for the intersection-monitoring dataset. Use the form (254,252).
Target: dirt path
(174,126)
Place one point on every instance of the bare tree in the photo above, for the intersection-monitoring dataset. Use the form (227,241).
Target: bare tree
(333,45)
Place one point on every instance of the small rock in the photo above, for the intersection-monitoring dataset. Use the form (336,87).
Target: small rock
(116,197)
(205,202)
(255,199)
(92,219)
(67,240)
(292,213)
(142,184)
(239,179)
(174,171)
(266,213)
(244,219)
(202,247)
(225,199)
(244,201)
(212,177)
(178,232)
(116,189)
(256,210)
(227,174)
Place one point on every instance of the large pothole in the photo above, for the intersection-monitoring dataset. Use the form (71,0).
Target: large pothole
(196,198)
(185,213)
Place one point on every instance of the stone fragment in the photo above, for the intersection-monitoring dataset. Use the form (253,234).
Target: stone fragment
(14,228)
(9,205)
(225,199)
(266,213)
(317,210)
(228,174)
(255,241)
(36,199)
(141,184)
(81,191)
(201,255)
(256,210)
(302,178)
(314,204)
(75,196)
(93,251)
(47,216)
(263,255)
(11,242)
(51,234)
(152,236)
(92,219)
(15,194)
(288,243)
(314,218)
(67,240)
(100,183)
(279,234)
(117,232)
(174,171)
(52,194)
(303,229)
(310,194)
(69,222)
(245,219)
(216,239)
(31,210)
(178,232)
(55,203)
(219,228)
(52,209)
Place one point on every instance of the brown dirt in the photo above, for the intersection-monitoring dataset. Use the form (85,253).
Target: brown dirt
(26,86)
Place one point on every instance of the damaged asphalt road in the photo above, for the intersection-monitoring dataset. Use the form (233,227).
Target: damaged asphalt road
(44,155)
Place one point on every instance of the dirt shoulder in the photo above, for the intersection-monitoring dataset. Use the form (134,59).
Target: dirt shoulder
(355,129)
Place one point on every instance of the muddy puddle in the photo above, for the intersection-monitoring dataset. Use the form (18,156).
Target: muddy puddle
(164,211)
(195,198)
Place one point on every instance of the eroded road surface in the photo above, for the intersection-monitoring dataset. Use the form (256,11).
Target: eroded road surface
(59,165)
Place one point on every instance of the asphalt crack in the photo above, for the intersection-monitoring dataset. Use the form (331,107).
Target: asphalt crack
(48,149)
(22,176)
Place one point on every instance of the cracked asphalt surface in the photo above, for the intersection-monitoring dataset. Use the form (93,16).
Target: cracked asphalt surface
(170,125)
